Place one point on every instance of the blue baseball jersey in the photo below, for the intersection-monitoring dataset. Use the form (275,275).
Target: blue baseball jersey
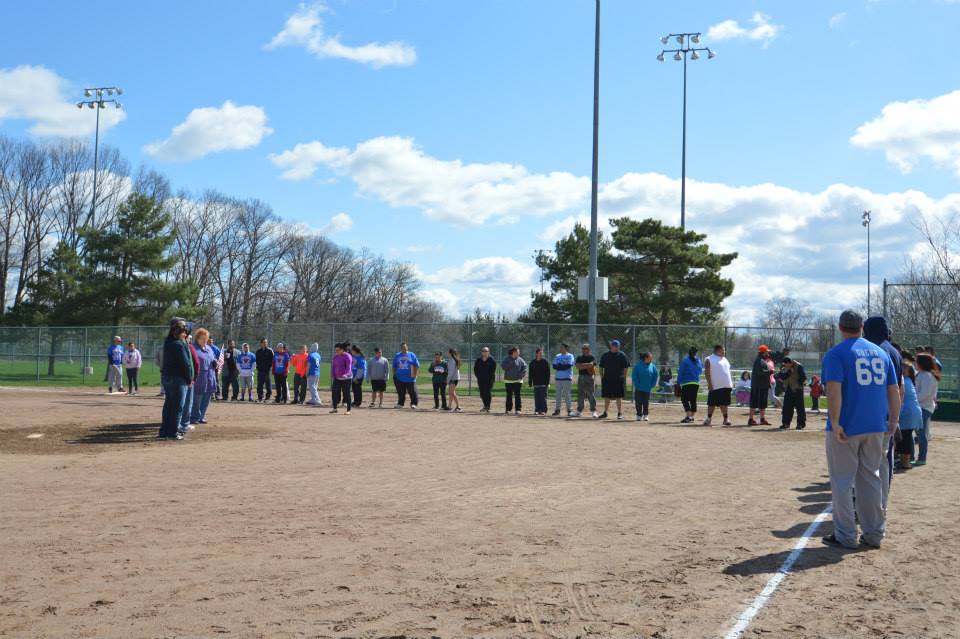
(313,364)
(864,371)
(563,364)
(115,354)
(246,362)
(280,361)
(403,365)
(359,368)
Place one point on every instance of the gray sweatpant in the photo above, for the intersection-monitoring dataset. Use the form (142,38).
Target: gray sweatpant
(585,389)
(115,376)
(563,393)
(856,464)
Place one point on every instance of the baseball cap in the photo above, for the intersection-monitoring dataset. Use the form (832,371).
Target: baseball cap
(615,342)
(117,338)
(585,346)
(763,349)
(851,320)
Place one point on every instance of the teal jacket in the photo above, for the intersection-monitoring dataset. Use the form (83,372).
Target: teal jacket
(644,376)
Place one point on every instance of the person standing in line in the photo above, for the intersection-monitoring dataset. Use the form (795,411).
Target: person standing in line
(563,363)
(230,372)
(132,361)
(876,330)
(688,377)
(378,368)
(453,379)
(186,423)
(644,378)
(540,381)
(438,377)
(760,387)
(205,386)
(158,360)
(313,374)
(218,364)
(359,375)
(614,365)
(299,364)
(793,377)
(927,386)
(264,370)
(816,392)
(716,369)
(246,363)
(863,405)
(514,370)
(281,369)
(485,372)
(937,366)
(115,365)
(586,365)
(911,415)
(406,366)
(176,375)
(341,369)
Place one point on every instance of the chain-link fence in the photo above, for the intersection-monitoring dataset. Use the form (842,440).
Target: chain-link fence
(78,355)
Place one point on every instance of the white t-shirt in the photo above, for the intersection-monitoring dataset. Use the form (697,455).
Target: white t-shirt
(720,372)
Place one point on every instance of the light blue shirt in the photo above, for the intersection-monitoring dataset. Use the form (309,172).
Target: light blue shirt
(563,364)
(911,417)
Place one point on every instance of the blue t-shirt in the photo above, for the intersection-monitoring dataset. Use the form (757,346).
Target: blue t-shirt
(313,364)
(246,362)
(216,351)
(864,371)
(563,364)
(115,354)
(280,361)
(403,364)
(911,418)
(359,368)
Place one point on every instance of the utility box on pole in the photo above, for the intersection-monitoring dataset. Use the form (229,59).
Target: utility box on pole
(583,289)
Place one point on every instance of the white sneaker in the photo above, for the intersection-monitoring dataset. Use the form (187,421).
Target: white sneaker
(646,418)
(413,406)
(706,422)
(575,413)
(517,413)
(639,418)
(594,415)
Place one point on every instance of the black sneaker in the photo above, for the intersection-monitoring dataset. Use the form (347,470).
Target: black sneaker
(866,544)
(555,413)
(831,540)
(603,415)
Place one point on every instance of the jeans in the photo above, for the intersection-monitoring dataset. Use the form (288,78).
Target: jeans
(923,436)
(407,387)
(229,381)
(688,397)
(564,387)
(201,401)
(174,396)
(263,381)
(642,401)
(357,385)
(132,374)
(513,395)
(439,394)
(586,389)
(280,386)
(187,409)
(540,399)
(312,381)
(486,392)
(299,388)
(341,392)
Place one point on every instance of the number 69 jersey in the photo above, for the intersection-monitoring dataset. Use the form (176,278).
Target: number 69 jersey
(865,371)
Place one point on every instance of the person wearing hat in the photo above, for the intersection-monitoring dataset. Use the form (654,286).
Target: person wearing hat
(485,372)
(586,385)
(760,387)
(863,405)
(176,375)
(281,369)
(793,378)
(115,365)
(614,365)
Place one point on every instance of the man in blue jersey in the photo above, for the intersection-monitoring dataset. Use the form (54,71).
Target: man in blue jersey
(563,363)
(405,369)
(877,331)
(863,399)
(115,365)
(246,363)
(313,374)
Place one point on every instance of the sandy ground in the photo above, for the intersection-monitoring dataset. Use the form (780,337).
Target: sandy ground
(282,521)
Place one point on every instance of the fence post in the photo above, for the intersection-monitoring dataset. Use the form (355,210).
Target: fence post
(636,356)
(471,358)
(39,333)
(83,358)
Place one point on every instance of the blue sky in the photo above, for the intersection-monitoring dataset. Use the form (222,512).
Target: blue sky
(457,135)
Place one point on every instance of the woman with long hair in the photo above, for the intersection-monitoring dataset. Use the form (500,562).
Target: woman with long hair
(453,378)
(927,385)
(911,415)
(688,377)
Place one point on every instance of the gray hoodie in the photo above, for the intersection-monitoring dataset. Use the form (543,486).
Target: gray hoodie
(514,369)
(378,368)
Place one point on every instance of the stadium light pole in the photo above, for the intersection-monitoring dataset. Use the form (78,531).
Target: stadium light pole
(681,54)
(98,103)
(865,222)
(594,273)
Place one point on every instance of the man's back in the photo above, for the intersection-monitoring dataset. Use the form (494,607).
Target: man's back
(864,371)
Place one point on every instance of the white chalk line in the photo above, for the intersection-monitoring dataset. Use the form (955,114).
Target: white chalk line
(761,600)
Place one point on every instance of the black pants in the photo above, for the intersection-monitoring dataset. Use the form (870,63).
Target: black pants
(229,381)
(341,392)
(407,387)
(486,392)
(132,374)
(513,395)
(280,384)
(905,445)
(815,403)
(263,381)
(642,401)
(793,400)
(439,394)
(299,388)
(357,392)
(539,399)
(688,397)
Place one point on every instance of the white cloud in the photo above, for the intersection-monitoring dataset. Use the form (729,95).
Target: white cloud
(423,248)
(449,302)
(39,95)
(837,19)
(339,223)
(211,130)
(910,131)
(763,30)
(305,29)
(485,272)
(396,171)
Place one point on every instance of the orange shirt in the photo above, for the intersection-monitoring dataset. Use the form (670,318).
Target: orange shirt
(299,362)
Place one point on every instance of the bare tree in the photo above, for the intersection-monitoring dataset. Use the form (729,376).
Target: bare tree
(787,315)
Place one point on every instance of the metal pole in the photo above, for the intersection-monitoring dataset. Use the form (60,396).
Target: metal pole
(96,160)
(470,368)
(868,269)
(39,331)
(683,152)
(884,297)
(593,275)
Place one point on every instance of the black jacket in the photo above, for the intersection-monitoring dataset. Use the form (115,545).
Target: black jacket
(264,359)
(539,372)
(177,361)
(485,371)
(230,361)
(760,376)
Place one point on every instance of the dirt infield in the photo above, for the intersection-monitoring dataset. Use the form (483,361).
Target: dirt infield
(283,521)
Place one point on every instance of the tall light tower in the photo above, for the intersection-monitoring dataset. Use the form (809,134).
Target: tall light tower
(681,54)
(594,274)
(865,222)
(98,103)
